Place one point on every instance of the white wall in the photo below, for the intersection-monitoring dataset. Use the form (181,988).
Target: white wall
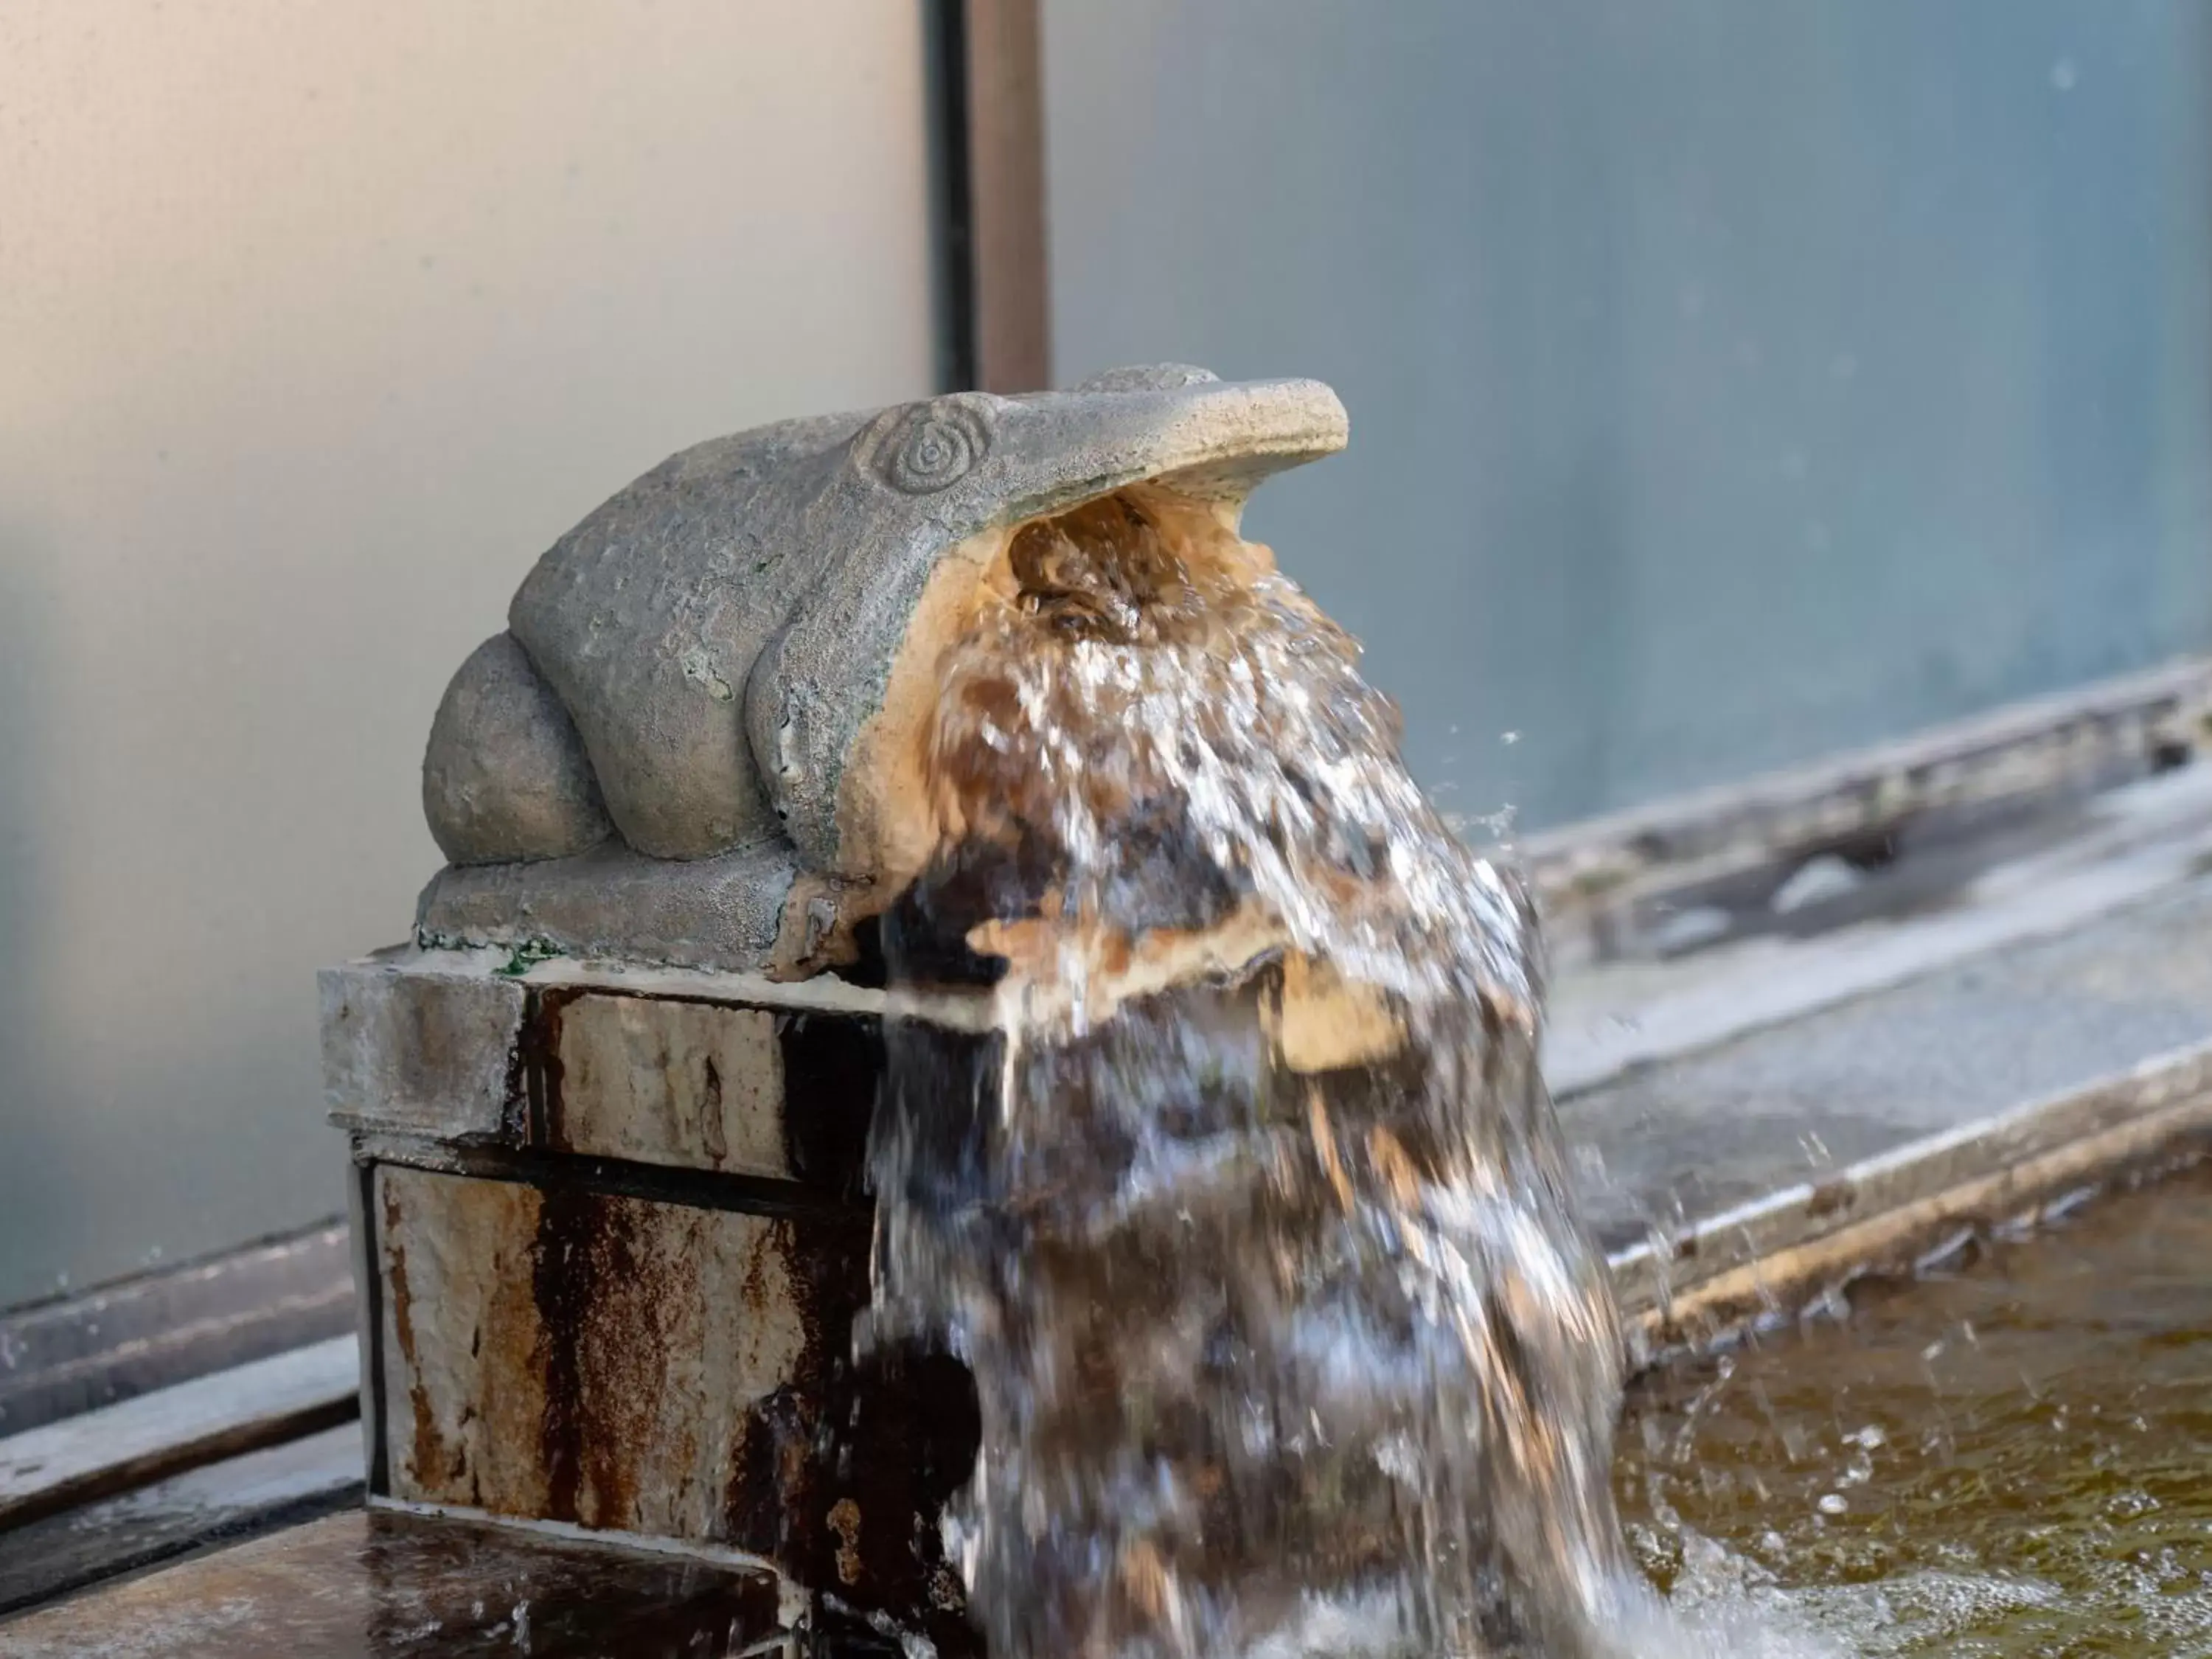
(318,323)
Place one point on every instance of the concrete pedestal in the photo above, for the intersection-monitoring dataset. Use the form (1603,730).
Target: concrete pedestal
(612,1241)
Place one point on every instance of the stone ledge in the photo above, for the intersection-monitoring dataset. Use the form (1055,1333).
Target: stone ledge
(724,1072)
(1607,884)
(1744,1180)
(644,1354)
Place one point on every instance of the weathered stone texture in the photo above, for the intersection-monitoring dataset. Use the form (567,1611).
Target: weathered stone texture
(584,1357)
(446,1048)
(419,1052)
(611,902)
(682,1083)
(362,1585)
(708,655)
(505,778)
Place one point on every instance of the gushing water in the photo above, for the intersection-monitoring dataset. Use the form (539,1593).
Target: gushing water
(1253,1224)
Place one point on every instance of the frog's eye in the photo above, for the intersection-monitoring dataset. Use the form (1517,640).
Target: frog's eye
(924,448)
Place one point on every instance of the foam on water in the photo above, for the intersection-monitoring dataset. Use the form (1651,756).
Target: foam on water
(1253,1230)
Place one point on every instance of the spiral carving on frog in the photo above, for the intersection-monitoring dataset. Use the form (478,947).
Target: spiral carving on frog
(933,446)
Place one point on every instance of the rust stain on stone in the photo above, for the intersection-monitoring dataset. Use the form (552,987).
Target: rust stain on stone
(625,1362)
(842,1477)
(772,1499)
(710,1115)
(845,1522)
(767,1488)
(561,1283)
(763,1507)
(833,1069)
(1831,1196)
(535,1071)
(427,1452)
(610,1378)
(608,1305)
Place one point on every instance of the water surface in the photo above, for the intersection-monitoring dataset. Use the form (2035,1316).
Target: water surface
(2010,1457)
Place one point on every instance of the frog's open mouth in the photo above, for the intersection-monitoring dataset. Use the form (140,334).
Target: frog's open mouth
(1013,702)
(1146,563)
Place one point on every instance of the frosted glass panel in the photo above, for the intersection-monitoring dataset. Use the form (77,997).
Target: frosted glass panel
(1731,381)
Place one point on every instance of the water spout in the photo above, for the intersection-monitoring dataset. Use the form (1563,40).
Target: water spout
(1255,1234)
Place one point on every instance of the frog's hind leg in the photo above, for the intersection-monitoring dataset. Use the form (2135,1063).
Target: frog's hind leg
(505,778)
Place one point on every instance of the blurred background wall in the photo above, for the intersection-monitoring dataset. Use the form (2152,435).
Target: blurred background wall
(1732,381)
(318,323)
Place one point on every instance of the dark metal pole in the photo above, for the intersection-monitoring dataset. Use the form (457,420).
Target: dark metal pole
(990,115)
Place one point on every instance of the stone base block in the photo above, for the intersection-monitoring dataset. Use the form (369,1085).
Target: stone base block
(613,1239)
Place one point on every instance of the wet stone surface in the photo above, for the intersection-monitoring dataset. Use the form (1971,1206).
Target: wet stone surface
(448,1051)
(2010,1458)
(380,1586)
(1802,1100)
(626,1365)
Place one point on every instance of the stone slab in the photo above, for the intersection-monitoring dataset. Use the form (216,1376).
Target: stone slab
(682,1083)
(723,912)
(2132,846)
(257,1492)
(1698,1135)
(369,1586)
(2078,1056)
(87,1456)
(1799,1247)
(657,1368)
(1611,887)
(779,1093)
(427,1047)
(114,1342)
(570,1357)
(725,1073)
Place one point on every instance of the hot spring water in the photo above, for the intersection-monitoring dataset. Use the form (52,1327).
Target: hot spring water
(2005,1460)
(1254,1231)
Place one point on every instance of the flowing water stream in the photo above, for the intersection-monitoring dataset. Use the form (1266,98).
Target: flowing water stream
(1252,1228)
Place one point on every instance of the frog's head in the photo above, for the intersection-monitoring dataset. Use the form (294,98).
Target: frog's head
(736,651)
(936,491)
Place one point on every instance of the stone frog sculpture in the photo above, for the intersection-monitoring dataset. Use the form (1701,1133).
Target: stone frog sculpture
(695,742)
